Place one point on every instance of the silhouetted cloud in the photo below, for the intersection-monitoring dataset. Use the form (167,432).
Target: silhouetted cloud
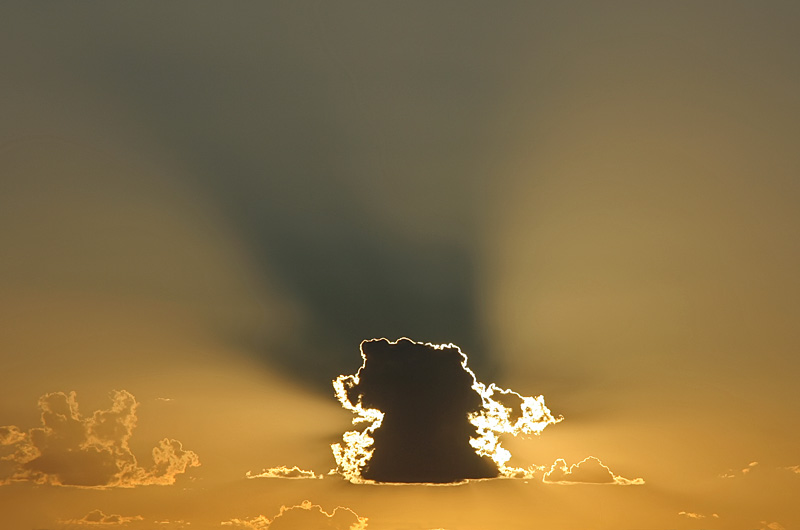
(97,518)
(428,418)
(91,452)
(304,516)
(590,470)
(284,472)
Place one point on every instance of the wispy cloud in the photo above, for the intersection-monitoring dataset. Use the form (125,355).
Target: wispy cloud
(734,473)
(284,472)
(92,451)
(590,470)
(302,517)
(693,515)
(98,518)
(177,523)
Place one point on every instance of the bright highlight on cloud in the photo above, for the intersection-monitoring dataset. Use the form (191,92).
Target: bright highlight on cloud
(70,449)
(428,419)
(590,470)
(744,471)
(98,518)
(303,516)
(692,515)
(284,472)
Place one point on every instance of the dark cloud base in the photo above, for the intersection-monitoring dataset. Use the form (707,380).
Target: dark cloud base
(426,396)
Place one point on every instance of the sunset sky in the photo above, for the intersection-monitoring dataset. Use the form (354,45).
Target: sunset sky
(205,208)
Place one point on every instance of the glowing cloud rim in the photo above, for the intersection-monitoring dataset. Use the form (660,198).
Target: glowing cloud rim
(87,451)
(262,522)
(98,518)
(560,473)
(492,420)
(292,473)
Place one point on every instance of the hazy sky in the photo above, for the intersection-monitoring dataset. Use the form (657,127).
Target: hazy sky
(206,207)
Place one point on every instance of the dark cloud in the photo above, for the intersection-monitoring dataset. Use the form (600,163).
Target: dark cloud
(70,449)
(430,420)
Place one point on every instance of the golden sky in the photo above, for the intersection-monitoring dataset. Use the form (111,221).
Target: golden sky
(205,208)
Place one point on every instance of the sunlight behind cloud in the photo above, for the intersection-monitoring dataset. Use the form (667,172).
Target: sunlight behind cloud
(498,411)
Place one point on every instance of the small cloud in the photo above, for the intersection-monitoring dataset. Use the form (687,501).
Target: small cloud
(750,466)
(302,517)
(284,472)
(97,517)
(260,522)
(771,526)
(178,524)
(165,400)
(93,451)
(428,419)
(590,470)
(793,469)
(692,515)
(733,473)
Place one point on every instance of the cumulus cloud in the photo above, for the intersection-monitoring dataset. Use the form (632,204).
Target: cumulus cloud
(98,518)
(428,419)
(284,472)
(92,451)
(590,470)
(304,516)
(693,515)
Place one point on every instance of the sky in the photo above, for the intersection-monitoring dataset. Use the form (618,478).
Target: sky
(205,208)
